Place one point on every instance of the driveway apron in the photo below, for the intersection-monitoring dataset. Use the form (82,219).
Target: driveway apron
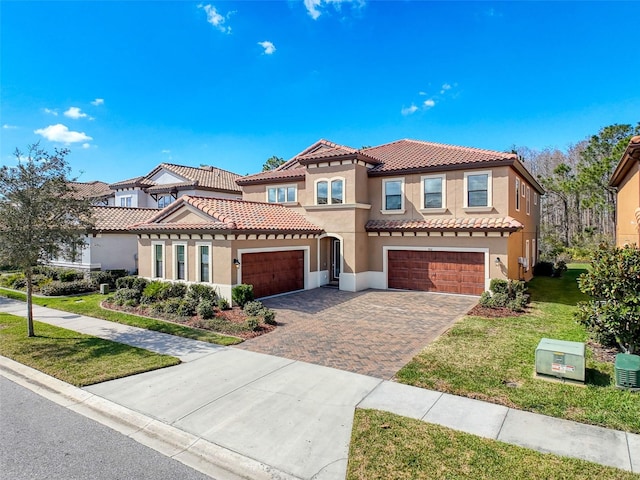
(373,332)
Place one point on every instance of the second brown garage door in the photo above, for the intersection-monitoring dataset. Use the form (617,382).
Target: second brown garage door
(446,272)
(271,273)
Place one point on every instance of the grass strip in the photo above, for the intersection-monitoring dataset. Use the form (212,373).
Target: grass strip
(73,357)
(494,360)
(385,446)
(90,305)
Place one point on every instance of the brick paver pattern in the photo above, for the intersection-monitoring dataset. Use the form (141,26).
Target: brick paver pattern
(373,332)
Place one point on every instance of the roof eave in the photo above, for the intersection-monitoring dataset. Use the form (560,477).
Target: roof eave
(631,154)
(262,181)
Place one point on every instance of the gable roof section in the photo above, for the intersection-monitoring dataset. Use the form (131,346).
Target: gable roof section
(222,214)
(95,189)
(203,178)
(500,224)
(630,156)
(118,219)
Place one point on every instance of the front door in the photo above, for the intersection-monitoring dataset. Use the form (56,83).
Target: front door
(336,260)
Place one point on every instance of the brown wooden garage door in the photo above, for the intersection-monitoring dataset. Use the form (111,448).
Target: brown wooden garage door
(271,273)
(447,272)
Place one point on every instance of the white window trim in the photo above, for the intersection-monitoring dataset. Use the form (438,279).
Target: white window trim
(153,260)
(489,205)
(286,187)
(171,200)
(199,261)
(329,196)
(175,261)
(384,211)
(517,194)
(522,188)
(526,255)
(425,209)
(533,252)
(535,198)
(125,198)
(528,200)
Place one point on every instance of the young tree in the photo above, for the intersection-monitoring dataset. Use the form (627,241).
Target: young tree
(40,218)
(272,163)
(613,282)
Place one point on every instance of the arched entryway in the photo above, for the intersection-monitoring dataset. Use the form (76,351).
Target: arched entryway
(330,259)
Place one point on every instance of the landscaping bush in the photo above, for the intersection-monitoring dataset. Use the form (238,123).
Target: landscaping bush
(205,309)
(157,308)
(498,285)
(241,294)
(505,294)
(223,304)
(57,288)
(269,316)
(173,290)
(253,308)
(172,306)
(252,323)
(559,268)
(14,280)
(123,295)
(187,307)
(153,291)
(103,277)
(132,281)
(67,275)
(543,269)
(201,292)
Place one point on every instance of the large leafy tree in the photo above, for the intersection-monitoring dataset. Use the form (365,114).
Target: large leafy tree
(613,282)
(40,217)
(272,163)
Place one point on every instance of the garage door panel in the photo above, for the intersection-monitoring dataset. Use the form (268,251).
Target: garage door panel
(448,272)
(271,273)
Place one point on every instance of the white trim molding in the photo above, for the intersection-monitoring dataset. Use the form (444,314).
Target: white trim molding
(489,204)
(443,194)
(399,211)
(154,274)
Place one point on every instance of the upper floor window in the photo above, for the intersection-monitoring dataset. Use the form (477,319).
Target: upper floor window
(330,192)
(433,189)
(125,201)
(535,198)
(477,189)
(164,200)
(518,194)
(393,195)
(528,200)
(281,194)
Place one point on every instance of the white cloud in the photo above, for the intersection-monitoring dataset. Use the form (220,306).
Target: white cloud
(61,133)
(51,112)
(86,145)
(75,113)
(215,19)
(314,7)
(444,88)
(409,110)
(269,47)
(429,103)
(6,126)
(98,101)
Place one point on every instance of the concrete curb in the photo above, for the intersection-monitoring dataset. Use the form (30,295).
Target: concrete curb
(195,452)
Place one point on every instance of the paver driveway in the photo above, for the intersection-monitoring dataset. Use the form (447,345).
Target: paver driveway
(373,332)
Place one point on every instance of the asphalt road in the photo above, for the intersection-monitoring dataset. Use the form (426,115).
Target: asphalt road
(42,440)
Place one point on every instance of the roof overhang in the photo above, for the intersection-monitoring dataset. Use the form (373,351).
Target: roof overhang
(630,157)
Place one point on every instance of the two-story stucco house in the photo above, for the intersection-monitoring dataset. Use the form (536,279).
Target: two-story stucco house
(407,215)
(626,179)
(165,183)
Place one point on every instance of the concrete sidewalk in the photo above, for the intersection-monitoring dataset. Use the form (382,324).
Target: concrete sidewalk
(260,416)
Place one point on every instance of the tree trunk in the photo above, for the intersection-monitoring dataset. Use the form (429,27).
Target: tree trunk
(29,276)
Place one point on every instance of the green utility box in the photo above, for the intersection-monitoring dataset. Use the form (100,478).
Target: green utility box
(560,359)
(627,369)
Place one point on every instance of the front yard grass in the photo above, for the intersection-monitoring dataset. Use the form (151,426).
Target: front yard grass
(73,357)
(90,305)
(493,360)
(386,446)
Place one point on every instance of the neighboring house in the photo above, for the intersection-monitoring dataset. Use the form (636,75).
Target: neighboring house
(626,180)
(165,183)
(98,192)
(109,245)
(407,215)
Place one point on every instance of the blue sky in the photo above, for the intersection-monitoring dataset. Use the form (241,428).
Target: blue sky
(127,85)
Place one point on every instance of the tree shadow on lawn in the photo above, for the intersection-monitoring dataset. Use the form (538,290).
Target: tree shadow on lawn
(597,378)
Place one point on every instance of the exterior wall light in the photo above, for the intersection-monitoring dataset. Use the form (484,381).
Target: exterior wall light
(498,262)
(236,262)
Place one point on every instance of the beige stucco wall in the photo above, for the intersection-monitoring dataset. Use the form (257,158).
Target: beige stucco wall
(628,200)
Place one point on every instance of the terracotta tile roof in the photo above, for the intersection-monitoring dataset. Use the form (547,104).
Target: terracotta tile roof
(234,215)
(203,178)
(95,189)
(440,224)
(413,154)
(118,219)
(296,172)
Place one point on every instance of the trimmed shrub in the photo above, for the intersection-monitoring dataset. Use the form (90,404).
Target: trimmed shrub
(57,288)
(543,269)
(253,308)
(269,316)
(498,285)
(252,323)
(485,299)
(241,294)
(67,275)
(157,308)
(518,303)
(103,277)
(187,307)
(559,268)
(152,292)
(123,295)
(172,306)
(174,290)
(127,282)
(201,292)
(223,304)
(205,309)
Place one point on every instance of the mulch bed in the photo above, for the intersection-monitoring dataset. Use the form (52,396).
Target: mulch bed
(498,312)
(601,353)
(234,316)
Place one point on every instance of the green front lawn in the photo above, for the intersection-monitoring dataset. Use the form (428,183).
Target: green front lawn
(385,446)
(90,305)
(493,360)
(73,357)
